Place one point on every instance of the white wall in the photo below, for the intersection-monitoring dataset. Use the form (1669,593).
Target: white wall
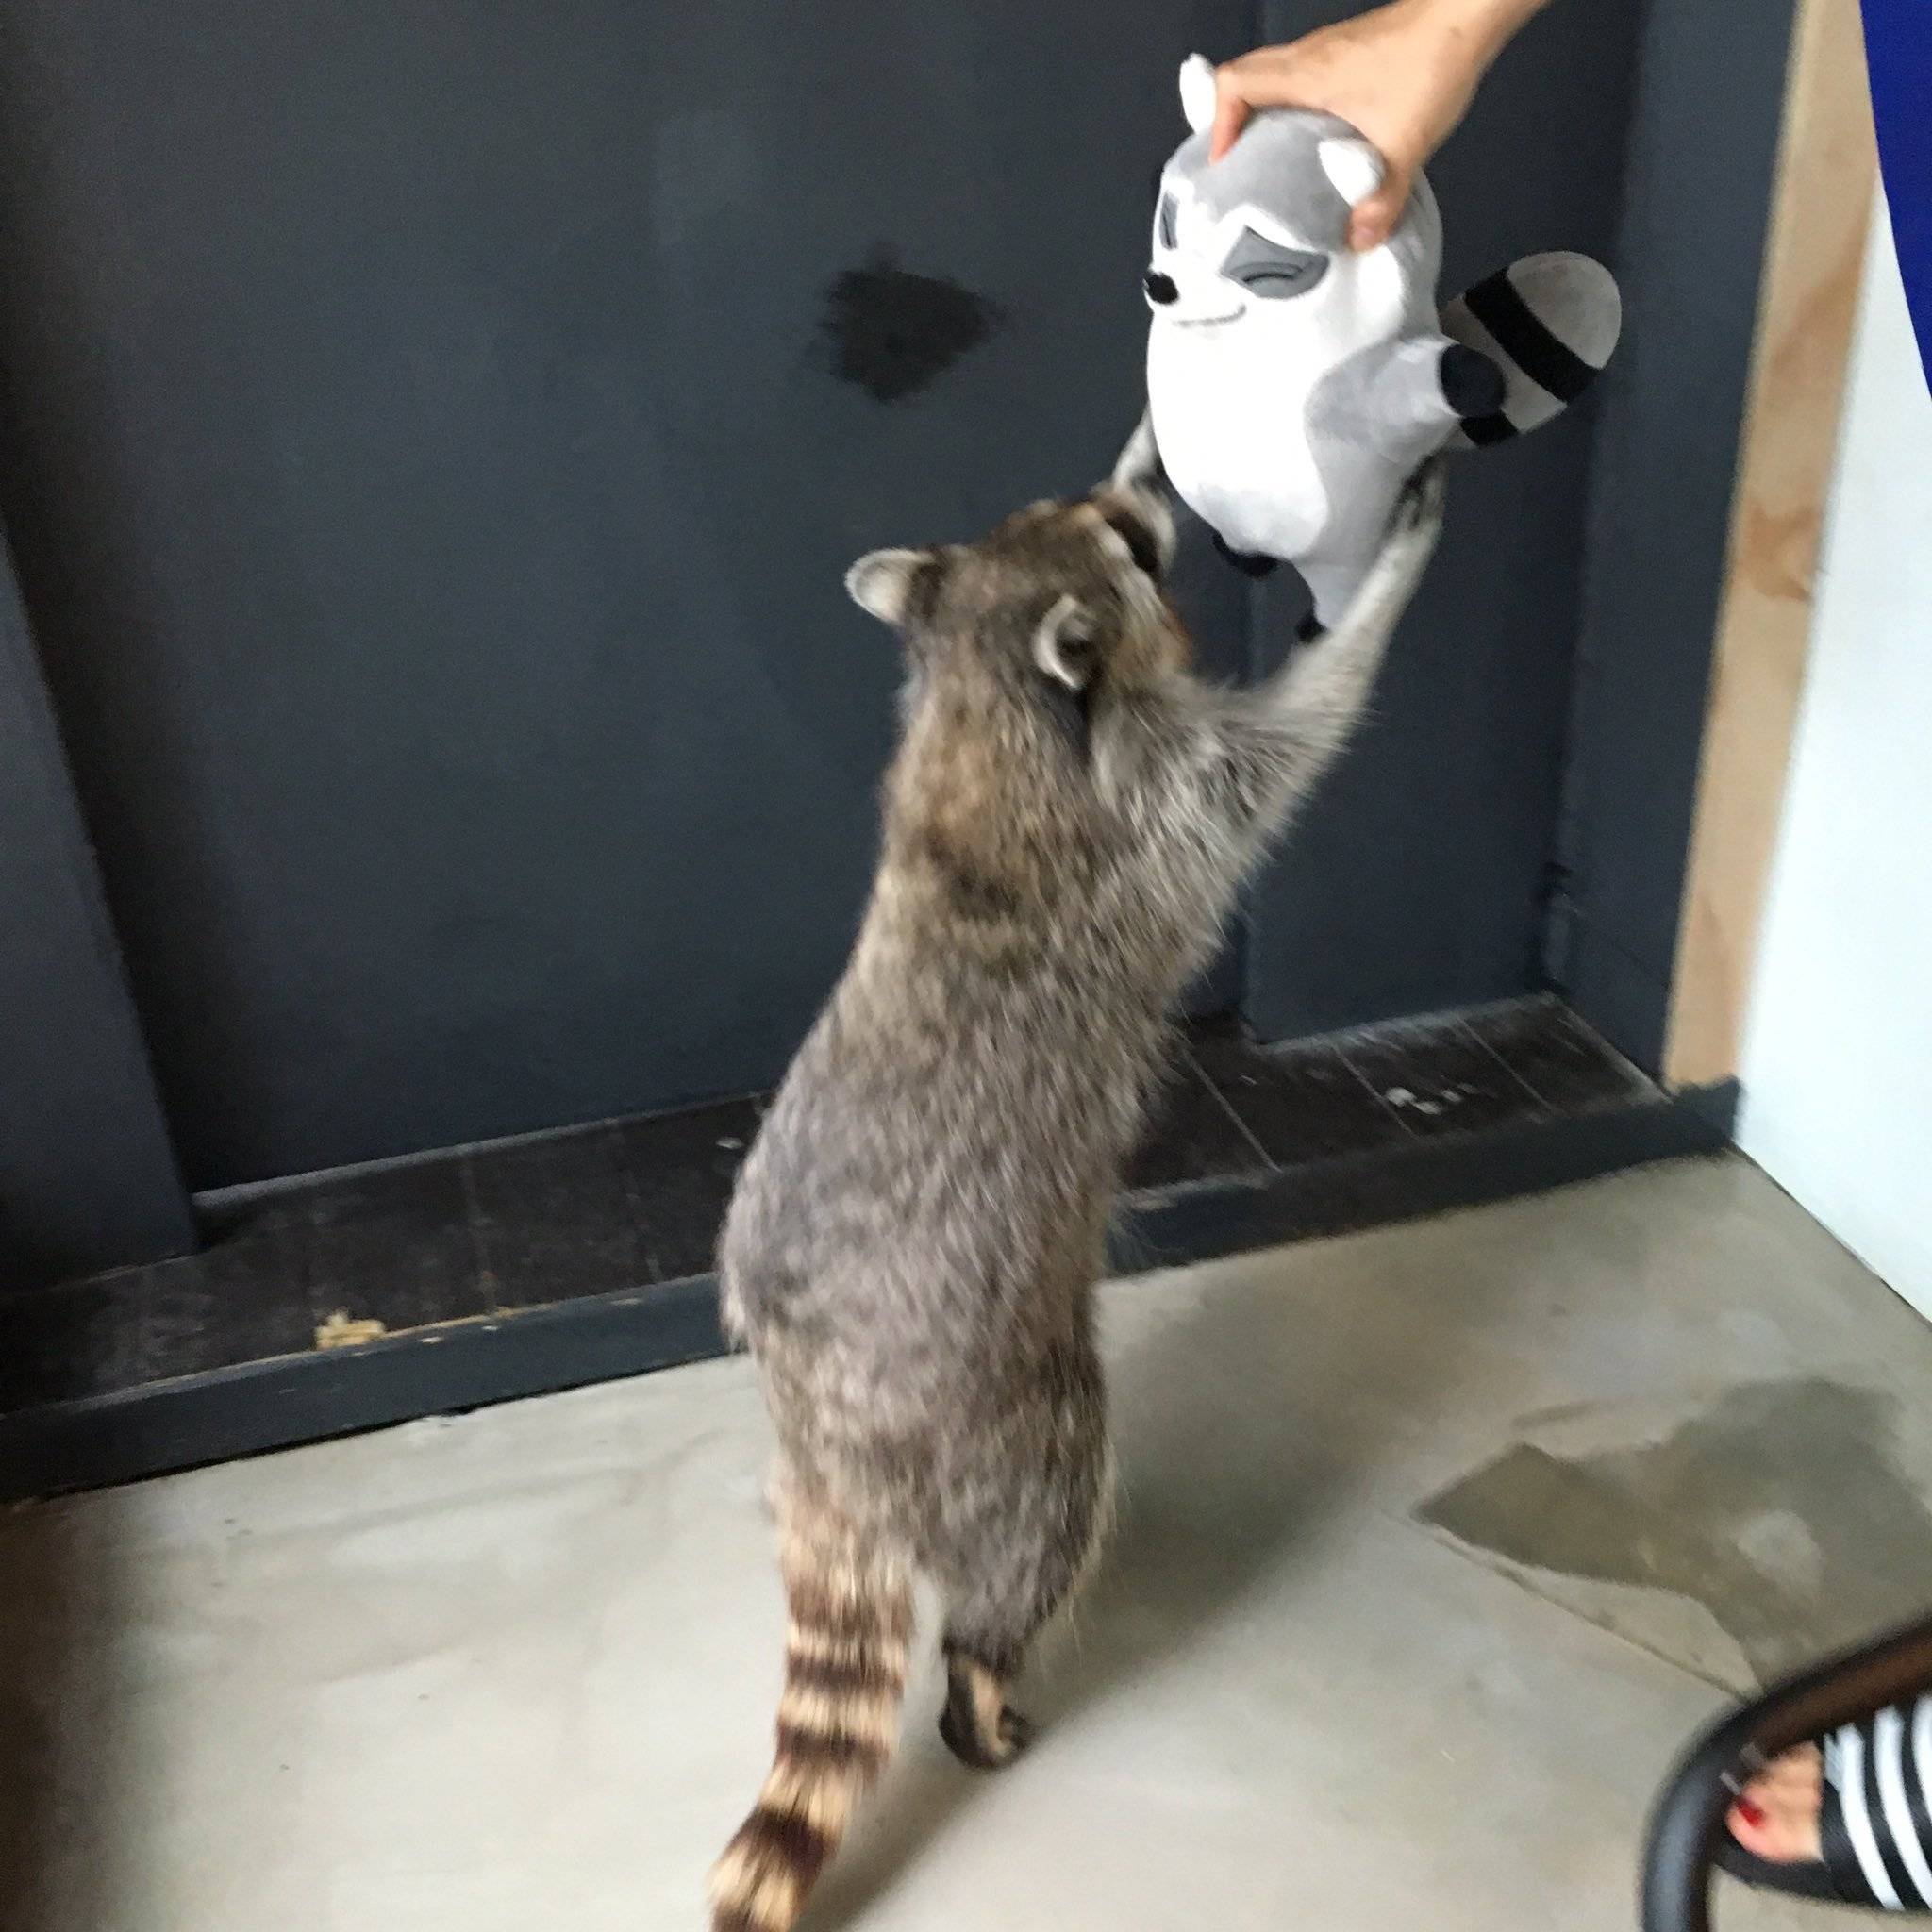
(1838,1060)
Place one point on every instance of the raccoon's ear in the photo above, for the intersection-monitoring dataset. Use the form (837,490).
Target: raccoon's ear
(1352,165)
(884,582)
(1197,91)
(1063,644)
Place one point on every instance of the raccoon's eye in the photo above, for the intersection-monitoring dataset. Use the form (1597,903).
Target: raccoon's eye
(1266,268)
(1165,224)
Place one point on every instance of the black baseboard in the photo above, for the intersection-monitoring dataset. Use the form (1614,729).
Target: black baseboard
(1354,1192)
(1255,1148)
(254,1406)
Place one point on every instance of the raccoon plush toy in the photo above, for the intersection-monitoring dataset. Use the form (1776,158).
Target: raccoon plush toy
(1293,385)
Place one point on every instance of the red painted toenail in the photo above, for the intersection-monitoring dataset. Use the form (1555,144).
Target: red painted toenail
(1750,1813)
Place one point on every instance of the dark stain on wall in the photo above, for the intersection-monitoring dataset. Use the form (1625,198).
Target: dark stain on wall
(891,332)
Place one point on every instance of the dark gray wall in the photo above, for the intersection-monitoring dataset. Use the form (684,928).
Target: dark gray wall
(433,486)
(1418,877)
(1555,670)
(86,1177)
(1703,151)
(435,431)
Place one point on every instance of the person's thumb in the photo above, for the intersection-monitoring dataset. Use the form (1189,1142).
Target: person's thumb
(1374,218)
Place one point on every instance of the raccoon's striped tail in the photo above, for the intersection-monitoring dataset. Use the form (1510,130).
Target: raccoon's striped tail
(1549,323)
(850,1623)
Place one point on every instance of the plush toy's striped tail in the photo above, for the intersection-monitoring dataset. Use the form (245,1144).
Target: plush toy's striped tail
(1550,323)
(851,1621)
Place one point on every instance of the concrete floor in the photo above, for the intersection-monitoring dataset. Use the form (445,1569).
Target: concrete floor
(1434,1544)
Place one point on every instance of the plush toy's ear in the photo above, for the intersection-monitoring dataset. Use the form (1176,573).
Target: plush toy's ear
(1197,91)
(1063,644)
(881,581)
(1353,167)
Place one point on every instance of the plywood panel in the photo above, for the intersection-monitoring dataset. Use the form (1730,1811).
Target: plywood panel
(1827,169)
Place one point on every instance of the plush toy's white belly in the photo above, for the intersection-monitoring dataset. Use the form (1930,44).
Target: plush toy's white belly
(1230,416)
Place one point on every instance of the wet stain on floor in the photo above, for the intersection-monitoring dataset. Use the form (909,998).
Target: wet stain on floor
(1780,1508)
(891,332)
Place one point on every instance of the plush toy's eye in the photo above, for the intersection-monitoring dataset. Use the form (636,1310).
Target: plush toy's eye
(1266,268)
(1166,224)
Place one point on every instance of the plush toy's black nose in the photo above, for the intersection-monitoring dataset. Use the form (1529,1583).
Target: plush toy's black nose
(1159,288)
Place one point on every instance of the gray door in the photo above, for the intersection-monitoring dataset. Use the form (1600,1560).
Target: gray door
(436,430)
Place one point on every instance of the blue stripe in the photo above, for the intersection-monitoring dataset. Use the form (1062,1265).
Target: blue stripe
(1898,52)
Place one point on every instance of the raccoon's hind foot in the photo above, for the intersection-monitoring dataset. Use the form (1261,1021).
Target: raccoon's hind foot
(980,1727)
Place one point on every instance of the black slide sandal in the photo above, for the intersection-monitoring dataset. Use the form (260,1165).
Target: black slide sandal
(1874,1825)
(1812,1880)
(1873,1778)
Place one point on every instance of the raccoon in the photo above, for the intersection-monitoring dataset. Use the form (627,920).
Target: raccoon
(916,1234)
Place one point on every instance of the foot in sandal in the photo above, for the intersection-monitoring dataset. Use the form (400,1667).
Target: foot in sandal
(1850,1822)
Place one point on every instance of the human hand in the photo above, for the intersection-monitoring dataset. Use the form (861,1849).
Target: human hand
(1402,74)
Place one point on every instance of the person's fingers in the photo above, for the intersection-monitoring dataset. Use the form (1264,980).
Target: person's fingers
(1230,113)
(1374,218)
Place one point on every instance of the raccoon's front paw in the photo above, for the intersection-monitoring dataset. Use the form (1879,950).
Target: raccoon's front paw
(1418,519)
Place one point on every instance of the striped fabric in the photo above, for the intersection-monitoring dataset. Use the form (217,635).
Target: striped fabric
(1549,323)
(1877,1824)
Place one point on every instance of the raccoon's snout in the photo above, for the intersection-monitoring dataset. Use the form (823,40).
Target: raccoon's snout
(1161,288)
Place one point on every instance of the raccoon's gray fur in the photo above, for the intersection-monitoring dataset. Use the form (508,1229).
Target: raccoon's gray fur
(915,1241)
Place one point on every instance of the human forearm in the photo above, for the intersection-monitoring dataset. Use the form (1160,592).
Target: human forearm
(1489,25)
(1403,74)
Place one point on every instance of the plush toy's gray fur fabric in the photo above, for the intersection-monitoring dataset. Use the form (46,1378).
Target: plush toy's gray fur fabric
(1276,165)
